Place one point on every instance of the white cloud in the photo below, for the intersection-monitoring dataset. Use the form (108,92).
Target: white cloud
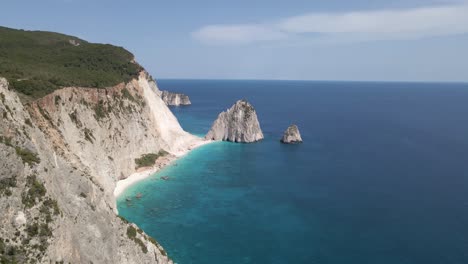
(431,21)
(236,34)
(351,26)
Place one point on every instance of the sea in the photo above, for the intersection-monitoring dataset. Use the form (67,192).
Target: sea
(381,177)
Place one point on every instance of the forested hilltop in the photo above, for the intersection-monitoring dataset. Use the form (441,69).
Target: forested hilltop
(38,62)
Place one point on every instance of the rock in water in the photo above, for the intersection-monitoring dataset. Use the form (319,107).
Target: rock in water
(237,124)
(175,98)
(291,135)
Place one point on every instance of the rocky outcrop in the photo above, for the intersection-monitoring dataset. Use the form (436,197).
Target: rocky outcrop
(60,159)
(175,99)
(237,124)
(291,135)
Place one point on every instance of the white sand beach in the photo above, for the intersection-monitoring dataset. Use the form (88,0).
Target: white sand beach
(145,172)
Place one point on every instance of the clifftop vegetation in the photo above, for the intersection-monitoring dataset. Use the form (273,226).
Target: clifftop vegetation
(37,62)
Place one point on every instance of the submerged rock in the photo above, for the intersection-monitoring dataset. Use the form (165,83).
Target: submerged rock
(175,99)
(237,124)
(291,135)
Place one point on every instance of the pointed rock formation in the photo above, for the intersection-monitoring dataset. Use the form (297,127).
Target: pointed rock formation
(175,99)
(291,135)
(237,124)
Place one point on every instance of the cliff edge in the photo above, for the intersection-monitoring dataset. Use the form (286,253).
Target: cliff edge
(66,138)
(61,157)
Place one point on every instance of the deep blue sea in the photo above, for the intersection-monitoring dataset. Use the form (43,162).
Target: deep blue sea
(382,176)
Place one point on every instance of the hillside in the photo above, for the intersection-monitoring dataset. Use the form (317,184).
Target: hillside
(37,62)
(62,154)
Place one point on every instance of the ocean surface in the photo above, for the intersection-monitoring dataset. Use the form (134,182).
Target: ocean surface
(382,176)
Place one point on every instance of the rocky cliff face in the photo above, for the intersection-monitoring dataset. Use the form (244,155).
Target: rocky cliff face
(291,135)
(237,124)
(175,99)
(60,158)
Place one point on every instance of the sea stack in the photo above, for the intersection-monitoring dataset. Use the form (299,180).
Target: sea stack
(175,99)
(238,124)
(291,135)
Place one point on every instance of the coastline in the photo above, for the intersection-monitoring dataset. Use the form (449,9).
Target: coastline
(145,172)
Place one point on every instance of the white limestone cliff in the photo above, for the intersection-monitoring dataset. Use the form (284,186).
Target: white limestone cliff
(175,99)
(86,139)
(237,124)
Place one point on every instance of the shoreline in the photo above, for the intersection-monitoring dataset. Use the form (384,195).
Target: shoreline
(145,172)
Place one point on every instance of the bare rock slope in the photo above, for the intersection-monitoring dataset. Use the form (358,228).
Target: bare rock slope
(60,159)
(237,124)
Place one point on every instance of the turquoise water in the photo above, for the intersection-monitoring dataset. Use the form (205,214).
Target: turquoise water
(380,178)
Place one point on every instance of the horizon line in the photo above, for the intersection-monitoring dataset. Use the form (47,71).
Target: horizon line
(311,80)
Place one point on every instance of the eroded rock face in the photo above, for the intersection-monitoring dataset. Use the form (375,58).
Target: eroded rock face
(71,147)
(291,135)
(237,124)
(175,99)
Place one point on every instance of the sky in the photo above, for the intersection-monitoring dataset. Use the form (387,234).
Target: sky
(345,40)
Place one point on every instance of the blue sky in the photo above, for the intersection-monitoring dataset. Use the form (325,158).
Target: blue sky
(374,40)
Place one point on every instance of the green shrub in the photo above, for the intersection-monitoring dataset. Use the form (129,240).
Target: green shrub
(2,246)
(35,192)
(126,94)
(131,232)
(123,219)
(141,244)
(50,206)
(36,63)
(32,230)
(6,141)
(6,184)
(44,230)
(149,159)
(27,156)
(89,135)
(154,242)
(100,110)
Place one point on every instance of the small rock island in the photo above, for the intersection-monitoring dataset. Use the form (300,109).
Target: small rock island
(238,124)
(175,99)
(291,135)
